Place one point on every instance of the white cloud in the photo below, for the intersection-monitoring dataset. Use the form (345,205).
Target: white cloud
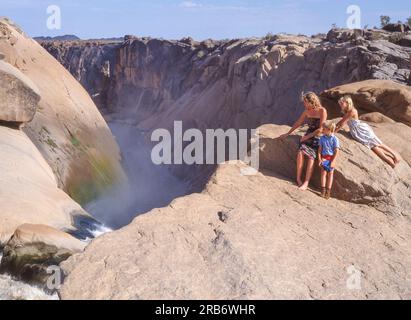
(190,4)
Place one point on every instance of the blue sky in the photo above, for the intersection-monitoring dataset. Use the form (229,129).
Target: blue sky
(200,19)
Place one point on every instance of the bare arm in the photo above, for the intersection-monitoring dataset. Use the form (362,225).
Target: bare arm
(320,160)
(335,156)
(343,121)
(323,119)
(296,125)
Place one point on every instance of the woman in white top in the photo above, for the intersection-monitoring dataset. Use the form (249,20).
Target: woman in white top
(364,134)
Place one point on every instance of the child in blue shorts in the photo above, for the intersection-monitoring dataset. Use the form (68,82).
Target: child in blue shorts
(327,155)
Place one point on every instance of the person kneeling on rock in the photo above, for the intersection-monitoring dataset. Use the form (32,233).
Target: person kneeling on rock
(329,146)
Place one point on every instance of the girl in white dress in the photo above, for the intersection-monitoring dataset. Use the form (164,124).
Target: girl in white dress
(364,134)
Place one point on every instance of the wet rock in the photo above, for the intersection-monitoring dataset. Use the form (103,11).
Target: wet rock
(33,249)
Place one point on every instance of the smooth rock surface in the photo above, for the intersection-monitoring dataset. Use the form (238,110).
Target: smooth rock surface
(28,188)
(259,237)
(19,95)
(67,128)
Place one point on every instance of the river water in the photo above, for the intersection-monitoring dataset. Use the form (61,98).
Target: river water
(148,187)
(16,290)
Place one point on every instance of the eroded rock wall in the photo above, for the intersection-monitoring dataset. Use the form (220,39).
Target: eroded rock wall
(238,83)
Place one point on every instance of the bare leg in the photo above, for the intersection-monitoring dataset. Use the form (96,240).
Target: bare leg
(395,156)
(323,182)
(309,173)
(330,180)
(380,152)
(300,166)
(323,178)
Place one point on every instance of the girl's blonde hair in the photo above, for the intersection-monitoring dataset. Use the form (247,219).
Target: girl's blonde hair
(312,99)
(349,101)
(330,126)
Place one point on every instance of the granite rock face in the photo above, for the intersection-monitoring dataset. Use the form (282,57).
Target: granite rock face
(252,237)
(67,127)
(65,152)
(238,83)
(255,237)
(258,237)
(29,191)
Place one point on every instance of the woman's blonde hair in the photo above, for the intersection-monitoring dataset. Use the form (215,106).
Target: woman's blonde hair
(349,101)
(330,126)
(312,99)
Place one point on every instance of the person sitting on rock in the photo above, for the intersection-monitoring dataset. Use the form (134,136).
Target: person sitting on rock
(316,115)
(327,155)
(364,134)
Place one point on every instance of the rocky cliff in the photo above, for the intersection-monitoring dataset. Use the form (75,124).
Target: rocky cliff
(239,83)
(241,237)
(255,237)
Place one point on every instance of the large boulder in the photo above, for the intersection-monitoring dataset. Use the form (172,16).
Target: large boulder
(383,96)
(33,249)
(19,95)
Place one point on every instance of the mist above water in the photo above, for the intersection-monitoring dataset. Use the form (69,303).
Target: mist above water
(149,186)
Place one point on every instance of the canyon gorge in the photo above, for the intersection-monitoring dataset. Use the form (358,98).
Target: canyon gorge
(77,162)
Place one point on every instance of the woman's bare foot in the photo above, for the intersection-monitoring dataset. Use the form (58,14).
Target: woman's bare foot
(397,160)
(299,183)
(393,165)
(304,186)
